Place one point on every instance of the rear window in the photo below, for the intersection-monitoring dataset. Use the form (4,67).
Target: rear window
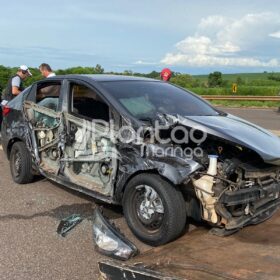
(145,99)
(17,102)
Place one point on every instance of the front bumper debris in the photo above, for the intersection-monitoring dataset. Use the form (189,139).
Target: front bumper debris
(261,203)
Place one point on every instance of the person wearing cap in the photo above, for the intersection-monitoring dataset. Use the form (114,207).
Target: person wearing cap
(15,83)
(46,70)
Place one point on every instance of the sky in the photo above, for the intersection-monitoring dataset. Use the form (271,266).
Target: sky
(195,37)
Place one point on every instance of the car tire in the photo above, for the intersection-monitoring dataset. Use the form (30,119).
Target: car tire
(165,217)
(21,164)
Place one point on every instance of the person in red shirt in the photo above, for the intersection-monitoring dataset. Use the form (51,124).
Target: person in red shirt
(165,74)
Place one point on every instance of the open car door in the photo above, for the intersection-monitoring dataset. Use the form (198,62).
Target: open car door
(45,126)
(74,145)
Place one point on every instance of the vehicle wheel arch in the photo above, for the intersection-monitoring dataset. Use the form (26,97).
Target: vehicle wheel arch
(133,175)
(10,145)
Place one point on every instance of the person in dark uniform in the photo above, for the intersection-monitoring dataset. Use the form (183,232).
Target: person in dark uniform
(14,87)
(0,110)
(15,83)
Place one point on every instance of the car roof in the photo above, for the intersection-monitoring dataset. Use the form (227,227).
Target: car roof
(105,77)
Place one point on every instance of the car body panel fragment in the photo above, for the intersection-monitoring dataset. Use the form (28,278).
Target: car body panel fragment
(116,271)
(109,241)
(68,224)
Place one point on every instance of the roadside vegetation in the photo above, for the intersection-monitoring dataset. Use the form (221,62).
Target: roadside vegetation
(251,104)
(216,83)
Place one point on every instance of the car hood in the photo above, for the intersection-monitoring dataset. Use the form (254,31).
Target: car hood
(238,131)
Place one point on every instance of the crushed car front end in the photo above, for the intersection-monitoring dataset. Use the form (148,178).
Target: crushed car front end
(237,181)
(226,168)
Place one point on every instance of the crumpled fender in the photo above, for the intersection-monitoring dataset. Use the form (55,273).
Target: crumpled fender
(175,169)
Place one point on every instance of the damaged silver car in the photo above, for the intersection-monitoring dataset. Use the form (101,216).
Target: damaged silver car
(161,152)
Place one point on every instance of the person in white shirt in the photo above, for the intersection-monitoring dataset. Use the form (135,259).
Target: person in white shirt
(46,70)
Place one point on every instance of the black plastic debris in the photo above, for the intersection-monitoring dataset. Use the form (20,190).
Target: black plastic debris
(112,270)
(68,224)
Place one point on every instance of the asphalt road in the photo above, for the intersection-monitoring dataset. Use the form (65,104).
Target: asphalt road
(30,248)
(267,118)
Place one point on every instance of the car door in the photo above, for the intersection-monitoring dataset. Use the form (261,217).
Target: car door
(72,139)
(43,111)
(90,156)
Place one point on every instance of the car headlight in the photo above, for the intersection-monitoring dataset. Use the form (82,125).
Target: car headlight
(109,240)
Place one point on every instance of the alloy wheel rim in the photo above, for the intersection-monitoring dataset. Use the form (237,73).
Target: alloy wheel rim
(149,207)
(17,164)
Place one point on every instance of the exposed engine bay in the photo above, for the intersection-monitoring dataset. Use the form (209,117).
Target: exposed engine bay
(235,187)
(233,184)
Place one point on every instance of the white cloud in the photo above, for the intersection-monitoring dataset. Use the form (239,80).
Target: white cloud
(141,62)
(249,30)
(204,45)
(201,60)
(214,21)
(275,35)
(221,41)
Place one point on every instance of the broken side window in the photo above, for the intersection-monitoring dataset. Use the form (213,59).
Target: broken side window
(47,95)
(86,103)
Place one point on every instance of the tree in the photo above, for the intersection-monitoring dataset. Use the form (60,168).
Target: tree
(183,80)
(153,75)
(273,77)
(215,79)
(128,72)
(239,80)
(98,69)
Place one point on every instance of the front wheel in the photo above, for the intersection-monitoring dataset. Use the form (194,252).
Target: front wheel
(21,164)
(154,209)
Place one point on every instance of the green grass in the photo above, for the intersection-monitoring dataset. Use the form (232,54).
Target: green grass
(258,104)
(244,79)
(244,76)
(251,84)
(242,90)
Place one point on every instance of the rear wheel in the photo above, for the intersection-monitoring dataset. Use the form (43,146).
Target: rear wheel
(154,209)
(21,164)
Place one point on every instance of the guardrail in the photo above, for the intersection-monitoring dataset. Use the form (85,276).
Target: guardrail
(240,98)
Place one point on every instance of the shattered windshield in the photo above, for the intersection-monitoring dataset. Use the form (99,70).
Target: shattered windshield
(145,99)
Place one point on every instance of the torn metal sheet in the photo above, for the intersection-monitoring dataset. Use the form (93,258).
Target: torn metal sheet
(116,271)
